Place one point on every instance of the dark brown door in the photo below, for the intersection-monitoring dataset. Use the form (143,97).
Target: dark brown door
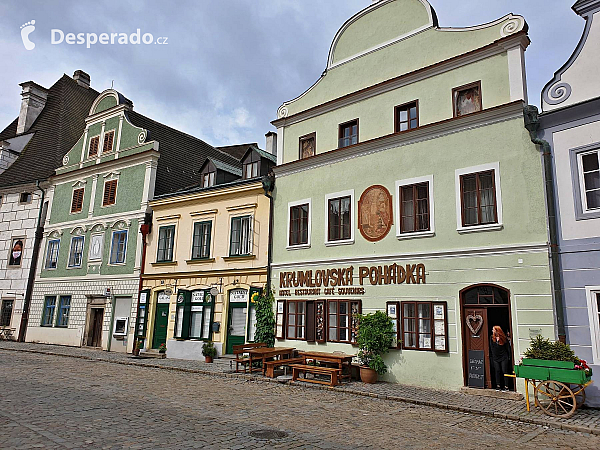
(475,337)
(95,336)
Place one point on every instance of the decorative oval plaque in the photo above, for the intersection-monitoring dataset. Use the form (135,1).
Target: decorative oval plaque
(375,213)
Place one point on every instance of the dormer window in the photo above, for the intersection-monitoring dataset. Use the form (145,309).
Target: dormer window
(208,179)
(251,165)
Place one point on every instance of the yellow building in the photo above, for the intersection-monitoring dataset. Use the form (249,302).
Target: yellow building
(206,254)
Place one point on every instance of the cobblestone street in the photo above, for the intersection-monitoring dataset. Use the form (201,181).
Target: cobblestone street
(56,402)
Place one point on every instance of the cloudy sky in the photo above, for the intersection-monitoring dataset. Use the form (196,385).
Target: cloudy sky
(229,64)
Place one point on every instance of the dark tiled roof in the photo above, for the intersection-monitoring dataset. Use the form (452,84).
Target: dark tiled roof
(226,167)
(237,151)
(58,127)
(265,154)
(10,130)
(181,155)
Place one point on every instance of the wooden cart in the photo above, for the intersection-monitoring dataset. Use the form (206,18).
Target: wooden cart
(559,388)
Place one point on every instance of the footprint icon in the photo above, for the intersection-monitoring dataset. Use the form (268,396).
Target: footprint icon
(26,30)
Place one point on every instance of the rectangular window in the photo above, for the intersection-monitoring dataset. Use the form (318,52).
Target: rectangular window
(339,216)
(52,254)
(296,315)
(166,239)
(251,170)
(6,313)
(299,224)
(414,208)
(348,134)
(208,179)
(467,99)
(25,197)
(77,201)
(478,198)
(342,325)
(110,193)
(118,247)
(76,253)
(48,313)
(280,320)
(16,251)
(201,240)
(590,180)
(108,141)
(193,319)
(308,145)
(94,146)
(424,326)
(406,117)
(241,236)
(64,307)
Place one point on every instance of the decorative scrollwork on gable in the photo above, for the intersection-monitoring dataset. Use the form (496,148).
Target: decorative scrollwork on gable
(557,93)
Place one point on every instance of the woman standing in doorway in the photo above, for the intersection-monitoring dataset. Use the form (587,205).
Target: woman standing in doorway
(501,356)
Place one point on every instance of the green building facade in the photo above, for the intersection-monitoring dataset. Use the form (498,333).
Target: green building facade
(407,183)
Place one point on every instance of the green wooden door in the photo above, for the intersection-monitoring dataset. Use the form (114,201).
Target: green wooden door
(236,331)
(161,320)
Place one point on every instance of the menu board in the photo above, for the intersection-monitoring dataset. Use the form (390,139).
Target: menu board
(476,371)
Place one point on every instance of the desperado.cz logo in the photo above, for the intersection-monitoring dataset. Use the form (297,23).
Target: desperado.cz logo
(58,36)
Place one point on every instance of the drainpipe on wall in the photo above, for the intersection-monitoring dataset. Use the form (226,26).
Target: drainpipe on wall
(532,123)
(268,183)
(145,230)
(39,235)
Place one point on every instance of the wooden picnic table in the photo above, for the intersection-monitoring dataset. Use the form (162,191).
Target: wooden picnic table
(264,353)
(342,360)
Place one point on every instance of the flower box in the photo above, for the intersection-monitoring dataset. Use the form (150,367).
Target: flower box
(548,363)
(563,371)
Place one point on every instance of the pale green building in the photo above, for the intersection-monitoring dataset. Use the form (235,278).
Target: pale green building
(407,183)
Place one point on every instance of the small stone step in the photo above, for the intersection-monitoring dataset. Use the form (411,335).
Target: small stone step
(153,353)
(492,393)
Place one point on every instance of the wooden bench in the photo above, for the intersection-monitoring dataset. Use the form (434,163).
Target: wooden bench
(271,365)
(240,350)
(333,373)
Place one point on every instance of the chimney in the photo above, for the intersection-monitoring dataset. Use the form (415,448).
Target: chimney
(33,100)
(271,142)
(82,78)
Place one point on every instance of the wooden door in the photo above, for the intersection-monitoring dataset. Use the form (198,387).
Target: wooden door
(97,317)
(236,326)
(161,320)
(475,340)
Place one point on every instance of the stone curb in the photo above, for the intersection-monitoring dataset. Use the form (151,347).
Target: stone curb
(474,411)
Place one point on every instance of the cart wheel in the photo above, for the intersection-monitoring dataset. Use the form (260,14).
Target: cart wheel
(579,392)
(555,399)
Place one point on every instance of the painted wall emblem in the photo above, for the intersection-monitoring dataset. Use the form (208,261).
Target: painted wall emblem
(375,213)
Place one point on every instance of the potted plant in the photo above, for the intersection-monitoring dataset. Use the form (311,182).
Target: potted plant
(137,347)
(162,349)
(375,337)
(209,352)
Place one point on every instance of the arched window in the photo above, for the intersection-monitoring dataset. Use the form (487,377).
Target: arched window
(485,295)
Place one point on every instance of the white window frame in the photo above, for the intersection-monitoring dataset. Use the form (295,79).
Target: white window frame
(101,236)
(495,166)
(175,236)
(210,247)
(48,253)
(71,249)
(580,174)
(350,241)
(251,233)
(112,237)
(593,313)
(407,182)
(297,203)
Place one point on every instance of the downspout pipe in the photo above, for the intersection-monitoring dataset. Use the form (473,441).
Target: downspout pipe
(532,124)
(145,230)
(268,183)
(39,235)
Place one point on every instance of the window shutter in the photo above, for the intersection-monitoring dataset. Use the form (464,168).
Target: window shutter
(94,143)
(108,142)
(310,321)
(110,191)
(77,202)
(187,313)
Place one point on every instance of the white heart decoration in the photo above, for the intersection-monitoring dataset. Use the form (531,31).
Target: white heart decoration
(474,318)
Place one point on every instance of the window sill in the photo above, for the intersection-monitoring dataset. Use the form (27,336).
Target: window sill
(422,234)
(74,267)
(14,266)
(239,258)
(340,242)
(200,261)
(589,214)
(476,228)
(298,247)
(117,264)
(164,263)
